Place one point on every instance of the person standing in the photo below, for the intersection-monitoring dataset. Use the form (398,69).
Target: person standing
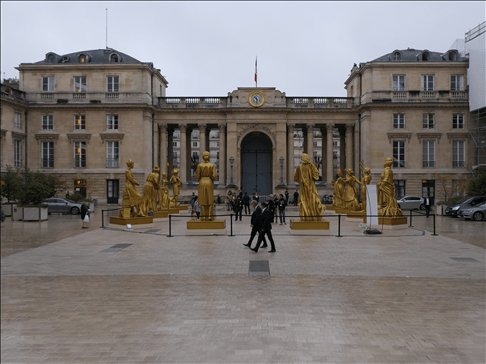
(296,198)
(84,213)
(246,203)
(266,228)
(427,206)
(271,206)
(238,207)
(196,207)
(255,224)
(281,209)
(286,197)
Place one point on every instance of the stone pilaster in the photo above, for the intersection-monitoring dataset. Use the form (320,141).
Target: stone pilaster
(222,154)
(183,153)
(329,154)
(349,147)
(290,153)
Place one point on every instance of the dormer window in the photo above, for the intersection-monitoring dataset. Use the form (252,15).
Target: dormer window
(82,58)
(396,56)
(452,56)
(51,58)
(114,58)
(425,56)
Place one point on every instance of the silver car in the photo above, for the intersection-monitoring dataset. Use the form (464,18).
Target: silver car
(411,203)
(476,213)
(62,205)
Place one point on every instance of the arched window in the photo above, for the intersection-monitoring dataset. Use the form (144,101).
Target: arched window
(425,56)
(452,56)
(114,58)
(82,58)
(51,58)
(396,56)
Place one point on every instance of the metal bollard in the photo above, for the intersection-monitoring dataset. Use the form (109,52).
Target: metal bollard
(339,226)
(411,219)
(434,234)
(231,225)
(170,226)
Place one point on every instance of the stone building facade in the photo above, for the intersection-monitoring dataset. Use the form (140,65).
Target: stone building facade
(86,113)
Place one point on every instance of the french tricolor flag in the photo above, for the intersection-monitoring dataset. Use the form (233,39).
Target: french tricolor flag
(255,69)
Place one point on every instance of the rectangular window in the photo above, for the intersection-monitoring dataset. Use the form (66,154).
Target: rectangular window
(47,84)
(398,82)
(457,83)
(458,160)
(111,121)
(428,83)
(80,84)
(79,154)
(112,154)
(458,121)
(17,153)
(399,188)
(47,122)
(428,154)
(112,84)
(17,123)
(47,154)
(398,121)
(429,121)
(194,144)
(79,122)
(399,154)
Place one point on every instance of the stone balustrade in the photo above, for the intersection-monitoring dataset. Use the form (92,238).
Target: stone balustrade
(415,96)
(88,97)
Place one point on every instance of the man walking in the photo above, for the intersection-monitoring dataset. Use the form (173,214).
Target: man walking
(427,206)
(281,209)
(266,228)
(246,203)
(255,224)
(271,206)
(238,207)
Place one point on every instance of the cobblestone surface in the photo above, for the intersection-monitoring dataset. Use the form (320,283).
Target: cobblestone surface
(392,298)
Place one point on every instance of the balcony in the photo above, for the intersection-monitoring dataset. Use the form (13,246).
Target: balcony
(112,163)
(415,96)
(88,97)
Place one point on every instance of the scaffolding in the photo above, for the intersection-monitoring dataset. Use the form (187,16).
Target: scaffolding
(477,133)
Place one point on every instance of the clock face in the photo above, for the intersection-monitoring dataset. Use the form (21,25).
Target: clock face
(256,99)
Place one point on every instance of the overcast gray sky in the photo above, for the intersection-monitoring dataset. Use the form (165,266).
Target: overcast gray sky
(209,48)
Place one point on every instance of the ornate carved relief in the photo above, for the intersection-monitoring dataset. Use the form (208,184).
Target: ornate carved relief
(257,127)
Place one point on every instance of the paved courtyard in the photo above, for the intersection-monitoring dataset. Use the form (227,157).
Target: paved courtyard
(68,296)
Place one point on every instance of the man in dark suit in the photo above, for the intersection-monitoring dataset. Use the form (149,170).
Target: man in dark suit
(246,203)
(266,228)
(271,206)
(255,224)
(239,206)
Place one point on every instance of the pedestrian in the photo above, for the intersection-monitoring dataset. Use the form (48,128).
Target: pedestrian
(197,208)
(85,215)
(275,203)
(296,198)
(427,206)
(257,198)
(271,206)
(246,203)
(255,224)
(266,228)
(238,207)
(281,209)
(286,197)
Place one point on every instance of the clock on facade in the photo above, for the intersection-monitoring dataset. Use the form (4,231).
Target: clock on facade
(256,99)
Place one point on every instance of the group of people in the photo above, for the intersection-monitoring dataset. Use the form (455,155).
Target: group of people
(261,223)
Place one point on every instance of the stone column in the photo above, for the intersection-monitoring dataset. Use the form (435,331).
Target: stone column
(342,150)
(329,154)
(349,147)
(310,142)
(163,145)
(290,154)
(183,153)
(202,140)
(324,153)
(222,154)
(170,150)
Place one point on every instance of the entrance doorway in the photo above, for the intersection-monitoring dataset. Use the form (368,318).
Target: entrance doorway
(428,188)
(256,164)
(112,191)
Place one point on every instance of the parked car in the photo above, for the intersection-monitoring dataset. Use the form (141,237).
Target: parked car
(62,205)
(463,204)
(476,213)
(411,203)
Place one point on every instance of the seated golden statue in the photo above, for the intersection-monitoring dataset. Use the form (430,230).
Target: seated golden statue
(206,175)
(386,193)
(149,197)
(351,193)
(310,206)
(338,199)
(164,197)
(176,183)
(133,194)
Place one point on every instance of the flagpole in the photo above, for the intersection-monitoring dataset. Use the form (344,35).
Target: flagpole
(256,78)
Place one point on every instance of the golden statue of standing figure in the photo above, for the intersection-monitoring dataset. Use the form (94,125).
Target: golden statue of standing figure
(338,199)
(365,180)
(133,194)
(164,197)
(351,193)
(310,206)
(387,201)
(149,197)
(206,175)
(176,183)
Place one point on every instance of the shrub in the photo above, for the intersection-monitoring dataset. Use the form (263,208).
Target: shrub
(477,186)
(8,183)
(28,188)
(77,197)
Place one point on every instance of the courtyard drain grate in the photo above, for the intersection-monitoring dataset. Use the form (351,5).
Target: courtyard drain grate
(466,260)
(116,248)
(151,231)
(259,267)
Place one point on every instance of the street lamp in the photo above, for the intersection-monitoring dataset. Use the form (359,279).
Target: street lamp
(281,159)
(231,163)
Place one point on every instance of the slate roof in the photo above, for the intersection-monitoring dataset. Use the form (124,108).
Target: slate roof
(95,56)
(416,55)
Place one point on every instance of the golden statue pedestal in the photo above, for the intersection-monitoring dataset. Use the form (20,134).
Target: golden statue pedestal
(197,227)
(354,215)
(299,227)
(161,214)
(118,222)
(392,223)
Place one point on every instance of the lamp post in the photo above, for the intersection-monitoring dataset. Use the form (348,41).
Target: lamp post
(231,163)
(281,159)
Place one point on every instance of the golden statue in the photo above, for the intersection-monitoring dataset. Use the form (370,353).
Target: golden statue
(366,180)
(351,193)
(149,197)
(133,194)
(164,197)
(338,199)
(206,175)
(176,182)
(309,201)
(386,193)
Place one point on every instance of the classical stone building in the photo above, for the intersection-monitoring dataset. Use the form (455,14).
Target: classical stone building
(83,115)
